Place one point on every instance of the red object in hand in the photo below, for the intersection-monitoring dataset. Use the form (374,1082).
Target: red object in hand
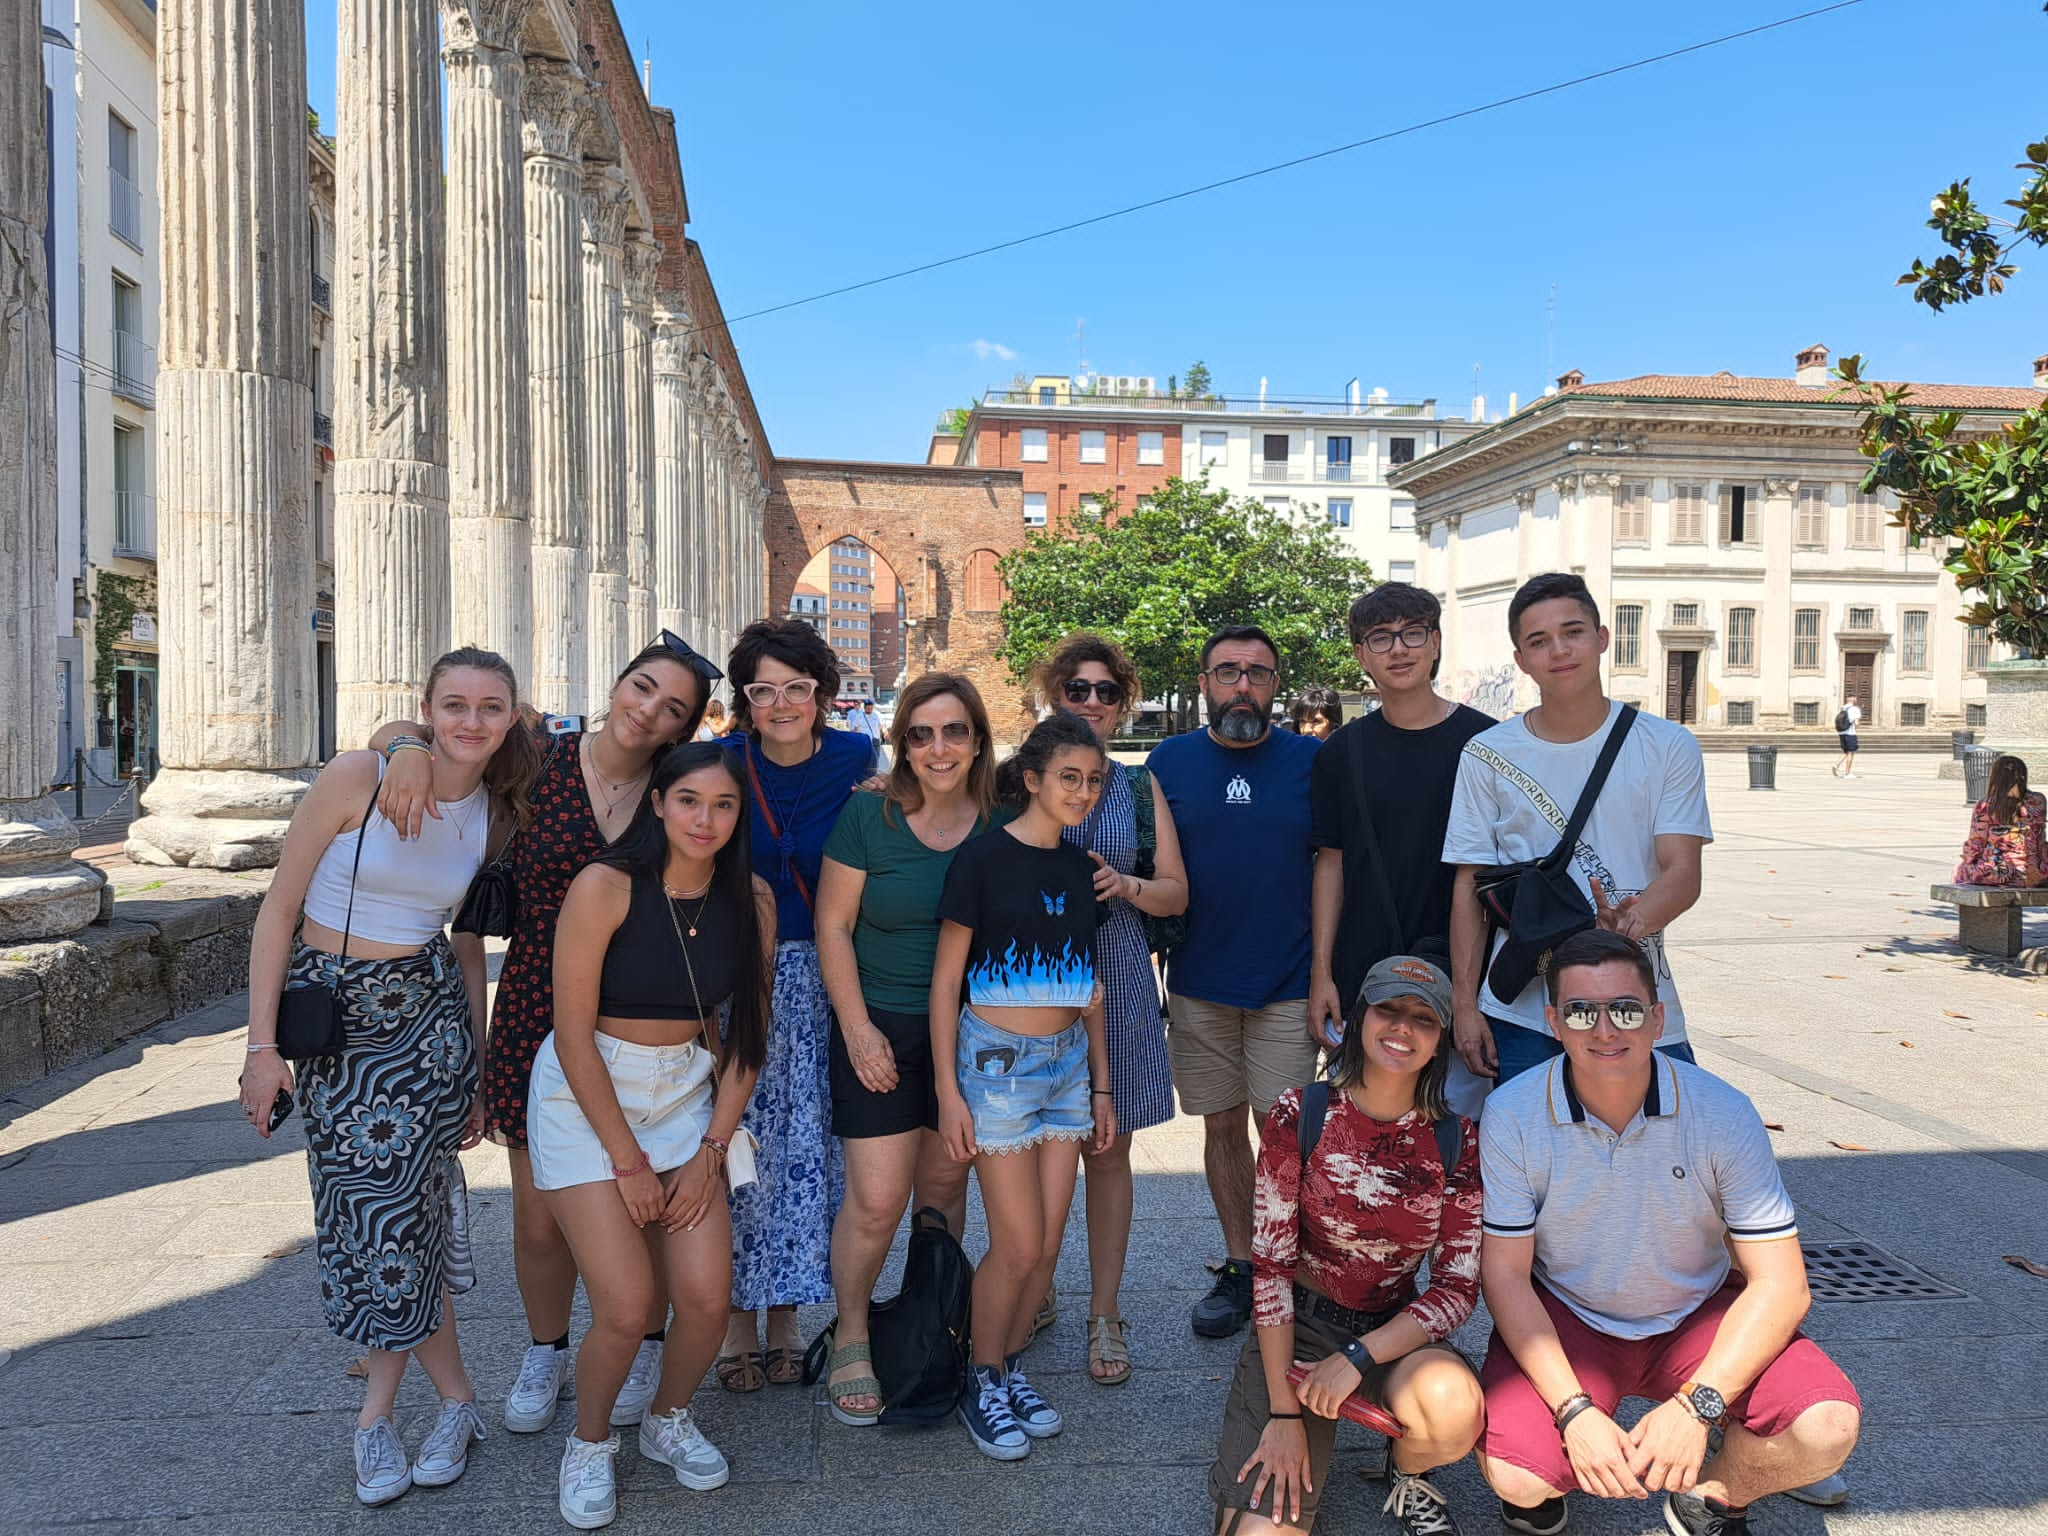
(1354,1408)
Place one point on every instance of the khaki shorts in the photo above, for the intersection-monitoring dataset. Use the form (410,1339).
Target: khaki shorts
(1224,1056)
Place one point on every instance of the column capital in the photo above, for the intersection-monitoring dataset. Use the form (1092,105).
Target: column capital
(1525,499)
(1780,487)
(553,106)
(643,260)
(477,26)
(1603,481)
(605,200)
(672,339)
(1566,485)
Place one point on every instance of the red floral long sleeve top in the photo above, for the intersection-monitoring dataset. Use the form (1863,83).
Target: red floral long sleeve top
(1357,1223)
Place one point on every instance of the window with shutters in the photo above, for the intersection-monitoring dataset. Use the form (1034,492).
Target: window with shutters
(1632,512)
(1034,509)
(1913,640)
(1866,522)
(1275,448)
(1913,714)
(1628,637)
(1033,447)
(1215,447)
(1688,514)
(1094,448)
(1810,527)
(1806,640)
(1151,448)
(1401,513)
(1742,514)
(1742,711)
(1976,648)
(1400,450)
(1741,653)
(1807,713)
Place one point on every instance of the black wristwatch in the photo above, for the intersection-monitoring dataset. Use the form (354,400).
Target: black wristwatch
(1359,1356)
(1702,1402)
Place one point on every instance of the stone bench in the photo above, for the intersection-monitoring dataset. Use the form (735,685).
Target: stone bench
(1990,914)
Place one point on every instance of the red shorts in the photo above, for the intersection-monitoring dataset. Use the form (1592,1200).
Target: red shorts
(1519,1429)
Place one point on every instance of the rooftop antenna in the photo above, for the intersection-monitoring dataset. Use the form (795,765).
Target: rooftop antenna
(647,68)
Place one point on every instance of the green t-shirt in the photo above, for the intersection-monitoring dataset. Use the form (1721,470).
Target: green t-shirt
(896,936)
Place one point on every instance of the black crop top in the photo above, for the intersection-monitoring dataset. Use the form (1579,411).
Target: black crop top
(644,974)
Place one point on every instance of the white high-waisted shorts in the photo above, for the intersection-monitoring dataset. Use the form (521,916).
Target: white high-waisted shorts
(664,1091)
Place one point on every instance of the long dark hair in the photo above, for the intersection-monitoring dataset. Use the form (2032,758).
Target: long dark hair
(510,774)
(642,852)
(1057,731)
(660,652)
(2007,789)
(1347,1064)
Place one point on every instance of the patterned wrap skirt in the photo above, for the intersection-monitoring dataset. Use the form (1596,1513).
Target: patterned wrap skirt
(384,1123)
(782,1224)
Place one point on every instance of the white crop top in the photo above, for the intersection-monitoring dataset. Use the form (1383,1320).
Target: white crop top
(405,891)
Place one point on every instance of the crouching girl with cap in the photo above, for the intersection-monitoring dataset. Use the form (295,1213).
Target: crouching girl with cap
(1345,1214)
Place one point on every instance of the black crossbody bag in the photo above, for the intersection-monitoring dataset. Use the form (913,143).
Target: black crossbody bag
(1537,903)
(311,1021)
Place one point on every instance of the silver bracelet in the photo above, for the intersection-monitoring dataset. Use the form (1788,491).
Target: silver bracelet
(263,1045)
(399,744)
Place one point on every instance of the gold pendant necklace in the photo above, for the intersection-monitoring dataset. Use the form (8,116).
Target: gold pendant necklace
(676,897)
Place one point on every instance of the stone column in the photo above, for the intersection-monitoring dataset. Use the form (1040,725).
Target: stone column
(643,256)
(234,409)
(1773,634)
(490,491)
(391,412)
(44,892)
(605,198)
(553,107)
(672,532)
(697,553)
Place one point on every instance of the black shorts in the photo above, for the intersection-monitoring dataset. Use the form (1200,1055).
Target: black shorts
(1847,739)
(913,1104)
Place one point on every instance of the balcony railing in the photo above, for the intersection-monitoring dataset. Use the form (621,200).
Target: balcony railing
(134,368)
(1278,471)
(1336,472)
(323,429)
(135,525)
(124,211)
(1274,405)
(323,294)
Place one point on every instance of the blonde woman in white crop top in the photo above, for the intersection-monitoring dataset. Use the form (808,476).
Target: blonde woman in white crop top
(386,1117)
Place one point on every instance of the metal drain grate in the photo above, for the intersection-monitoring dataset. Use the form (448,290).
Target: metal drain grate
(1864,1272)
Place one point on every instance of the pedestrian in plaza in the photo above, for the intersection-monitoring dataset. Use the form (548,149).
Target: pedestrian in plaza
(1380,797)
(1094,678)
(1847,718)
(799,775)
(1639,1242)
(1237,985)
(1637,860)
(2005,845)
(634,1112)
(584,794)
(1015,1008)
(1360,1180)
(357,909)
(884,868)
(714,722)
(870,725)
(1316,712)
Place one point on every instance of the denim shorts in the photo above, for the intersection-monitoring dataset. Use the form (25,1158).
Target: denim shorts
(1024,1089)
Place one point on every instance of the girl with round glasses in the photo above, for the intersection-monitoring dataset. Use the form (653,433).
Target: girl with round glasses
(799,775)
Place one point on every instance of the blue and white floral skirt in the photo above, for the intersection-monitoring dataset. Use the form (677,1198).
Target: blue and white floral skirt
(384,1123)
(782,1224)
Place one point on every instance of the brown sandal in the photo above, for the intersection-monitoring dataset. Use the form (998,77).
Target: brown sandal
(785,1365)
(740,1373)
(1106,1346)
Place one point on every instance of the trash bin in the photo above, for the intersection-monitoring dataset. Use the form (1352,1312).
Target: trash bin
(1763,767)
(1959,744)
(1977,773)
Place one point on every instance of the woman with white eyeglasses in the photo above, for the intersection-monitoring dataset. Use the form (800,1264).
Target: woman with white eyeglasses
(799,776)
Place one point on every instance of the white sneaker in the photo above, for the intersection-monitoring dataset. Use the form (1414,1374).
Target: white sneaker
(637,1395)
(674,1438)
(382,1471)
(530,1405)
(444,1454)
(585,1491)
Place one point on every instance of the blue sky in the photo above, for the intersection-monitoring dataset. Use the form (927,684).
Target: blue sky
(1718,211)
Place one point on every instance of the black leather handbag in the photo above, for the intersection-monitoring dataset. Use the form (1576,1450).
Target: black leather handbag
(490,907)
(311,1021)
(1537,903)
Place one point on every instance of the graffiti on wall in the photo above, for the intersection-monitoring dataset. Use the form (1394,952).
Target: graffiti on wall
(1490,690)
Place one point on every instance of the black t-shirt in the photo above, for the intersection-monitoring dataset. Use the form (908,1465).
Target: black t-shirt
(1032,913)
(1409,780)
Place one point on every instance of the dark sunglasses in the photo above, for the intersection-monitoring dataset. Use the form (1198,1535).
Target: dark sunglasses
(1077,690)
(684,652)
(958,732)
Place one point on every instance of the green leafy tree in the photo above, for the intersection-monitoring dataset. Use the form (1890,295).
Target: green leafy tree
(1184,562)
(954,421)
(1198,380)
(1987,495)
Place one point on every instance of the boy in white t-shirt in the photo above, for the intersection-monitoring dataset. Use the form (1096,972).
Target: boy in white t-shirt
(1638,859)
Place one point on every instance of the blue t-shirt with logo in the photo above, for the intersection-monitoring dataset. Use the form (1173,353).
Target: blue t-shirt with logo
(1245,834)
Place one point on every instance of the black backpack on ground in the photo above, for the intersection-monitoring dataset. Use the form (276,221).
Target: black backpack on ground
(919,1335)
(1841,720)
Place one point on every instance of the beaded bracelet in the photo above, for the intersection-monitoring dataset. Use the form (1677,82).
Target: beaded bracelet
(724,1147)
(399,744)
(642,1166)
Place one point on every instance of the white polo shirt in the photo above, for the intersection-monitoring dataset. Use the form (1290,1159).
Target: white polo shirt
(1631,1229)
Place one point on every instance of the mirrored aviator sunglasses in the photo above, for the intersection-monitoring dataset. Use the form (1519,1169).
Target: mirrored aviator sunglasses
(1626,1013)
(687,654)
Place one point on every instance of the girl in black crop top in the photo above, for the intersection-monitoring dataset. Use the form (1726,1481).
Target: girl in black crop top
(669,924)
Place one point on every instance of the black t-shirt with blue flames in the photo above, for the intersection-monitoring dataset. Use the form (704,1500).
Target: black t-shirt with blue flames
(1032,913)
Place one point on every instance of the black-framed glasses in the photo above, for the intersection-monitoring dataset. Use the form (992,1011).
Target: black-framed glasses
(1583,1013)
(1228,673)
(1413,638)
(798,690)
(957,732)
(1106,690)
(688,655)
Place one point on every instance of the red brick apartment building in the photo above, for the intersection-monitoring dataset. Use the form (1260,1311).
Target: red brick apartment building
(1073,448)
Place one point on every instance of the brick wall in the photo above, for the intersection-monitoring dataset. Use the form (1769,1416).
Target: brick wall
(1063,478)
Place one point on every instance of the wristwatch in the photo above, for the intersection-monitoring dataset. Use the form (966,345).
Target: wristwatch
(1359,1356)
(1702,1402)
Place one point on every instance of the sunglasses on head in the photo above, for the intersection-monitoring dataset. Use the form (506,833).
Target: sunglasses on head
(957,732)
(684,652)
(1077,690)
(1626,1013)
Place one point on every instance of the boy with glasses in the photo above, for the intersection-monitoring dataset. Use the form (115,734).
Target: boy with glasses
(1380,798)
(1624,1188)
(1238,792)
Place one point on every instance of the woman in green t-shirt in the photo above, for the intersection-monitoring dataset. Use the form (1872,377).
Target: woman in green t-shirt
(878,928)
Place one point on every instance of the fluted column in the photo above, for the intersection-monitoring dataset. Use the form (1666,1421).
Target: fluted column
(697,533)
(391,408)
(44,892)
(671,411)
(552,109)
(643,256)
(604,384)
(234,410)
(490,489)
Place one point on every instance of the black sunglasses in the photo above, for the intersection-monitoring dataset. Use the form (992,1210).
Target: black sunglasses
(682,650)
(1077,690)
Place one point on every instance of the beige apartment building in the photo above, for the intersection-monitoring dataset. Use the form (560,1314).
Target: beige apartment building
(1748,583)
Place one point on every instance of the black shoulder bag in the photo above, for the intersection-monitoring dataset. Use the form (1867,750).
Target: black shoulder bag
(490,907)
(310,1019)
(1537,903)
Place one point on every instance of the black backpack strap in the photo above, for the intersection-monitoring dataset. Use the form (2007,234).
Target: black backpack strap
(1315,1109)
(1608,753)
(1450,1143)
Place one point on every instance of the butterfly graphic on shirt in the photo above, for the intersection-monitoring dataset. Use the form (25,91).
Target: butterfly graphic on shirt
(1055,906)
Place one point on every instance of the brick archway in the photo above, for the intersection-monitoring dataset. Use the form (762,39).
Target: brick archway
(927,521)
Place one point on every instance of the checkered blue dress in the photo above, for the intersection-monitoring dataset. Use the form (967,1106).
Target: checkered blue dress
(1140,1075)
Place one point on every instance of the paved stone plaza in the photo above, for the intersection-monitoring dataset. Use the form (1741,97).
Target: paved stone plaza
(162,1363)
